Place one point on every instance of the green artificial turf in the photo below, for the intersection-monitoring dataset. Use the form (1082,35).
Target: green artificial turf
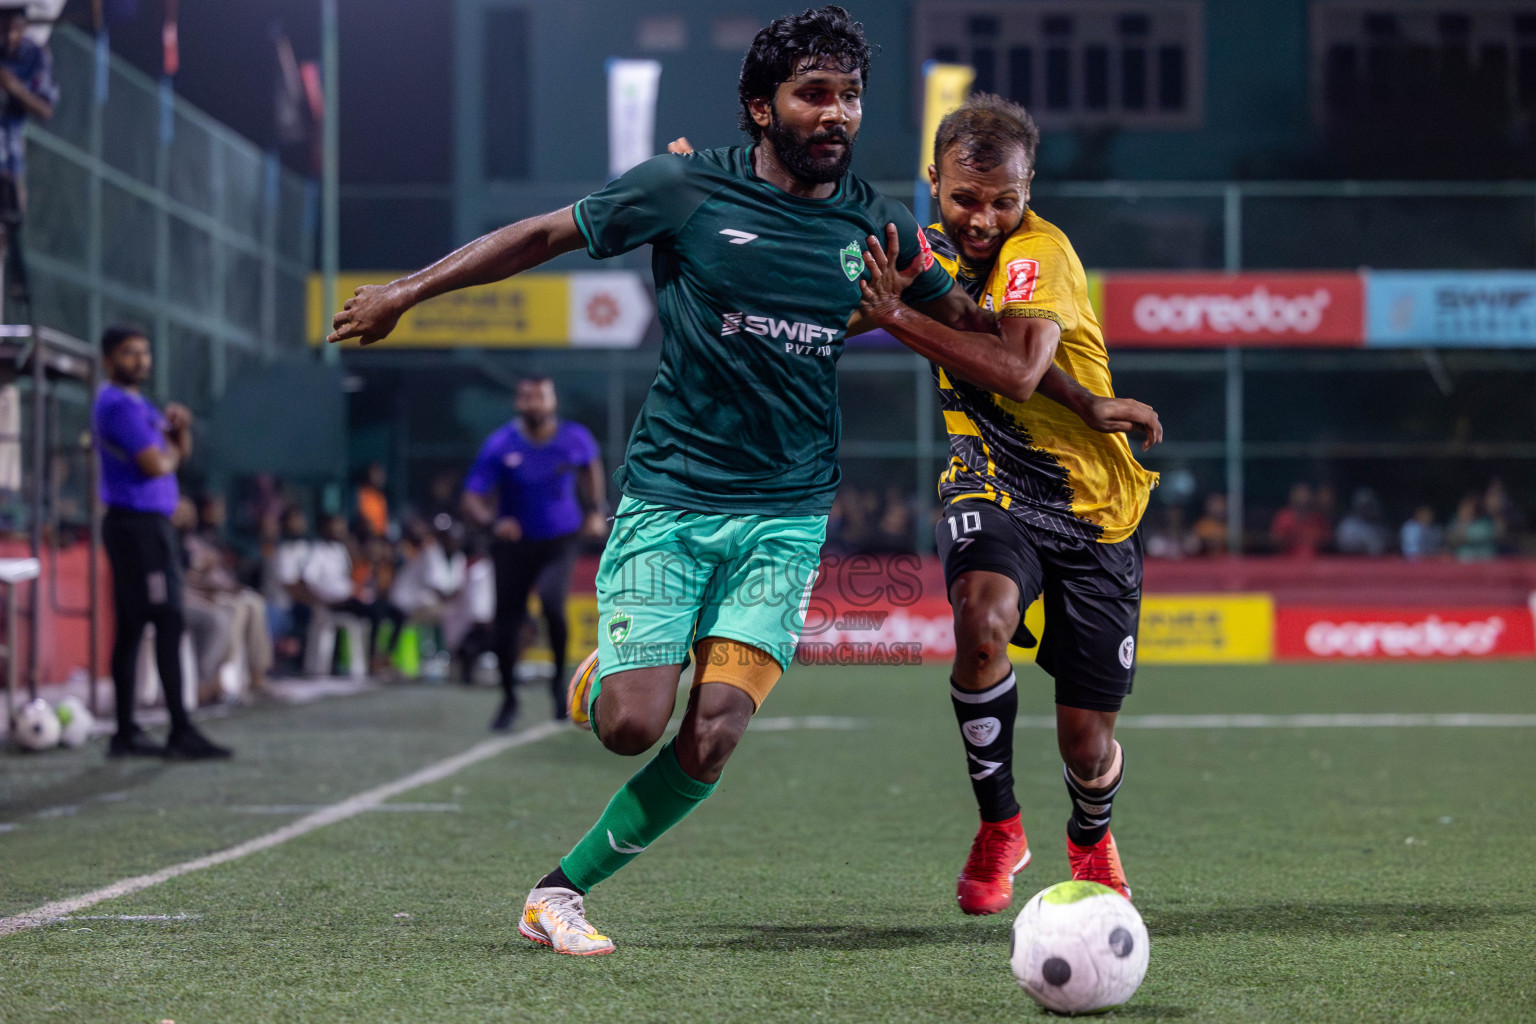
(1331,875)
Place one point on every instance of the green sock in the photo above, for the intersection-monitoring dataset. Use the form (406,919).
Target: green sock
(658,796)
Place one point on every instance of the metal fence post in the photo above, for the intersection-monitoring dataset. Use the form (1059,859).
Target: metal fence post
(923,479)
(1232,244)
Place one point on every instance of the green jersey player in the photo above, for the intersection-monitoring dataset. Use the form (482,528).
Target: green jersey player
(732,464)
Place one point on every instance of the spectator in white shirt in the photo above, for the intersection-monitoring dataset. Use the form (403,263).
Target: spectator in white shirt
(468,621)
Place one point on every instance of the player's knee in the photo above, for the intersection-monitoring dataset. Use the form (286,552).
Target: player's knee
(1088,755)
(982,632)
(628,731)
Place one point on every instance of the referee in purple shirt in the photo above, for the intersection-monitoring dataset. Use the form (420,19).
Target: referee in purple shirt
(140,450)
(548,477)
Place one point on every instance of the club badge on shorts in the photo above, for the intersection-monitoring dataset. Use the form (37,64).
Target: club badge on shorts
(1128,651)
(618,627)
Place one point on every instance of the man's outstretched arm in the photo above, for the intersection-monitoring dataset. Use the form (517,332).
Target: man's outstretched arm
(371,313)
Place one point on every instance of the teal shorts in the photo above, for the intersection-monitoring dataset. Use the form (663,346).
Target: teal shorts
(668,577)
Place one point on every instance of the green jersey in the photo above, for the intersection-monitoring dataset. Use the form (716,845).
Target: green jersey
(754,288)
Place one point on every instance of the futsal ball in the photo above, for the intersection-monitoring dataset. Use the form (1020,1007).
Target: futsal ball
(1079,947)
(75,721)
(37,727)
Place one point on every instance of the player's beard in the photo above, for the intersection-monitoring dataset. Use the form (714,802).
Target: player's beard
(794,152)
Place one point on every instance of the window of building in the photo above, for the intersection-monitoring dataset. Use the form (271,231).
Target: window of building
(1371,57)
(1081,63)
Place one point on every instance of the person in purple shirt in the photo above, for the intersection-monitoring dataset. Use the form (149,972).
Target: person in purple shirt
(548,477)
(140,450)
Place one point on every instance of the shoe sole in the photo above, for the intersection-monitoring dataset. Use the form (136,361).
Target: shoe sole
(583,670)
(1020,866)
(535,937)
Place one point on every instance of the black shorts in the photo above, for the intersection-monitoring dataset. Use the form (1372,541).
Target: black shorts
(1092,596)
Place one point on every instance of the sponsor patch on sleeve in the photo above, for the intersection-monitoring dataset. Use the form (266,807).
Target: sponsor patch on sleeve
(1022,277)
(922,244)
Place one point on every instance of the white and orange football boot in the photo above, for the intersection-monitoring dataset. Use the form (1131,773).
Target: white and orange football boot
(1098,863)
(554,917)
(578,688)
(999,852)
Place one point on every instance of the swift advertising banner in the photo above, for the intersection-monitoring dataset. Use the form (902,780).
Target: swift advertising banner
(1471,309)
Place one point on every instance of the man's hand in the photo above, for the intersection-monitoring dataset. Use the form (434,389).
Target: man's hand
(1123,415)
(594,525)
(882,292)
(177,417)
(507,528)
(680,146)
(10,83)
(369,315)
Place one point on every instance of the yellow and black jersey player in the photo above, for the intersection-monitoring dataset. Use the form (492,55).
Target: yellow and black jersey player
(1036,501)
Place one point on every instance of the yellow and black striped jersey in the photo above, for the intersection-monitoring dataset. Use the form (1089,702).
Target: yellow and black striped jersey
(1037,458)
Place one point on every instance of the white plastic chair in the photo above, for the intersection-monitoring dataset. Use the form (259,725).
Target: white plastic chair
(320,648)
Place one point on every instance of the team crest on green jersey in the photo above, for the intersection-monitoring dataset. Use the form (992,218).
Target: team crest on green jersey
(853,260)
(618,627)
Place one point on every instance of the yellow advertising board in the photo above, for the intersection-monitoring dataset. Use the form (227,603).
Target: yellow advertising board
(1191,629)
(945,87)
(1206,629)
(581,615)
(609,309)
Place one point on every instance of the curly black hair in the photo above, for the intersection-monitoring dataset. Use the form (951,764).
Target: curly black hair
(828,39)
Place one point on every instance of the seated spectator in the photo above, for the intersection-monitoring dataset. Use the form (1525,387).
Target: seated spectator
(1474,535)
(1420,537)
(1501,508)
(895,523)
(211,581)
(1300,529)
(209,626)
(284,550)
(372,505)
(327,581)
(428,577)
(1168,538)
(1364,530)
(469,619)
(1210,530)
(442,508)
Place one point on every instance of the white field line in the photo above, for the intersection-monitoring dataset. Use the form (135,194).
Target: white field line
(131,917)
(348,808)
(1387,721)
(305,808)
(793,723)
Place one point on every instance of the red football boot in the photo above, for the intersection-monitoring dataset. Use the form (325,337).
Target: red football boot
(999,852)
(1098,863)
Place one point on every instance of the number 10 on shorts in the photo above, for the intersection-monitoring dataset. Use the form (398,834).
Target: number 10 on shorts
(965,522)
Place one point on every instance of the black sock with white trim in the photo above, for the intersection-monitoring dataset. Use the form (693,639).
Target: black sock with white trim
(986,726)
(1091,807)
